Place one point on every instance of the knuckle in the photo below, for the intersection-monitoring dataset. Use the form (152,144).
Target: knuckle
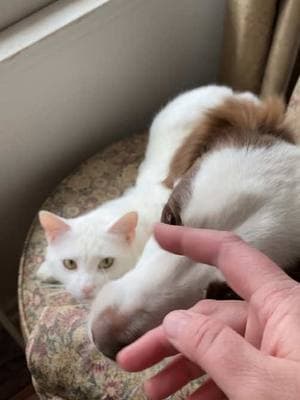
(229,241)
(205,336)
(206,306)
(230,238)
(271,297)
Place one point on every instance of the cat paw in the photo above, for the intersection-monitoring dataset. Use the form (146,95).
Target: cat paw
(44,273)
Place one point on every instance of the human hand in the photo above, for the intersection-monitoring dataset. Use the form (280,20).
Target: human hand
(250,349)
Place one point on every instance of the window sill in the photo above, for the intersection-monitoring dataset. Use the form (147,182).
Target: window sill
(44,23)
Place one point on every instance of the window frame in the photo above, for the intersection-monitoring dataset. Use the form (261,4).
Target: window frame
(12,11)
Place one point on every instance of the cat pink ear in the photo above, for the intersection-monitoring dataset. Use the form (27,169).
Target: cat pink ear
(53,225)
(126,225)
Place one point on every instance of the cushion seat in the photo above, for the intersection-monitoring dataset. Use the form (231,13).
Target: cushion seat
(62,361)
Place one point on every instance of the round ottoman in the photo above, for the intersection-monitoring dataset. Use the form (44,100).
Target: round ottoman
(62,361)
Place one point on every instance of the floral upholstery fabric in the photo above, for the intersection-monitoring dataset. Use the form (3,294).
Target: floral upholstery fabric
(62,361)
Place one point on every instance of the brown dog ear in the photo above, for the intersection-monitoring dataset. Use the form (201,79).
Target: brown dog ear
(236,121)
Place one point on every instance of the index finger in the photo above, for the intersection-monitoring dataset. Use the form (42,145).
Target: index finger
(153,346)
(244,268)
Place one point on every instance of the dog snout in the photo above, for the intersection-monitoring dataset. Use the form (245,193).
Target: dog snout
(108,345)
(107,331)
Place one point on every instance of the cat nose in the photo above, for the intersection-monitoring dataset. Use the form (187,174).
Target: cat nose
(105,330)
(88,290)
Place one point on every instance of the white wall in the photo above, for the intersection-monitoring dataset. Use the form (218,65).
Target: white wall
(94,81)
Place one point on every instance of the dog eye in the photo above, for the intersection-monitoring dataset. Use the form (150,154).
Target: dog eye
(70,264)
(106,263)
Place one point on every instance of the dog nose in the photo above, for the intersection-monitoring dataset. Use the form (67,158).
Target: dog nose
(106,331)
(107,346)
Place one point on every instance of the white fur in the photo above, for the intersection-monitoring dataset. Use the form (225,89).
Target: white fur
(254,192)
(88,241)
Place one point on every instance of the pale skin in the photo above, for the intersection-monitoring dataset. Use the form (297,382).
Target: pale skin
(250,349)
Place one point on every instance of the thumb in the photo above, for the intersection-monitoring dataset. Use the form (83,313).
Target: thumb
(221,352)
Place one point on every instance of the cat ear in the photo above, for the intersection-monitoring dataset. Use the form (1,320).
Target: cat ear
(126,225)
(53,225)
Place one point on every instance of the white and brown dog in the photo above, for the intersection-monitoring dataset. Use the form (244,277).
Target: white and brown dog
(237,170)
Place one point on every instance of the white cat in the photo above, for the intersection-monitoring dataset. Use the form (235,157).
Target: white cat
(85,252)
(239,171)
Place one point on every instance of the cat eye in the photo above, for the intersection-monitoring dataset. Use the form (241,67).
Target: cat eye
(70,264)
(106,263)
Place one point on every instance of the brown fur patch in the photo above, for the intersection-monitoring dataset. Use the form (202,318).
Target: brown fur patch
(178,198)
(106,330)
(235,123)
(116,320)
(171,215)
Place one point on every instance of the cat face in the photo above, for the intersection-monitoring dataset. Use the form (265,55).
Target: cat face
(84,254)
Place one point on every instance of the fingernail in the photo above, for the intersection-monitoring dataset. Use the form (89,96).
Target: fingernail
(175,323)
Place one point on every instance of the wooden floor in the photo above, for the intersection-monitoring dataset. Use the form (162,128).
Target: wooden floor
(15,381)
